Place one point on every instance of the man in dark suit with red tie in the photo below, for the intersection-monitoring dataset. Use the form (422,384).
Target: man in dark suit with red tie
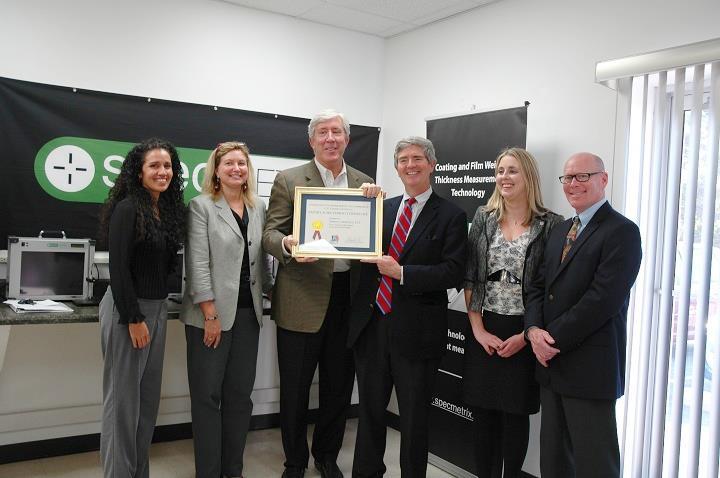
(398,324)
(575,320)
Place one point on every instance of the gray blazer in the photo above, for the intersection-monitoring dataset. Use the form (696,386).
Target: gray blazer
(213,259)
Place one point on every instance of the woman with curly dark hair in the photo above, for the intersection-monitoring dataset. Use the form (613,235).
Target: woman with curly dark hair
(144,222)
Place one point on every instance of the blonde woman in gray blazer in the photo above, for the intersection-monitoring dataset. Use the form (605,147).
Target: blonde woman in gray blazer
(227,273)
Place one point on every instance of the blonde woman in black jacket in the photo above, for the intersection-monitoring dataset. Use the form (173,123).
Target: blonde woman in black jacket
(506,244)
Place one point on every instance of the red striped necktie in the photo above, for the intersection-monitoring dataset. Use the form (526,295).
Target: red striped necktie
(400,233)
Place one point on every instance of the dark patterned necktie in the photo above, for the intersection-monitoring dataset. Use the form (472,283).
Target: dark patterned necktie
(570,238)
(383,299)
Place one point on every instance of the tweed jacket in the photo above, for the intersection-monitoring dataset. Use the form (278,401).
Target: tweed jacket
(302,290)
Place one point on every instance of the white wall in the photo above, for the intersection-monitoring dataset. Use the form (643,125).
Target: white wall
(542,51)
(197,51)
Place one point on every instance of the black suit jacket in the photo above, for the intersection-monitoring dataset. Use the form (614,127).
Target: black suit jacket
(583,302)
(433,261)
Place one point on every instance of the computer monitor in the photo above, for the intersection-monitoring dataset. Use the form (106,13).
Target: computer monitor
(43,268)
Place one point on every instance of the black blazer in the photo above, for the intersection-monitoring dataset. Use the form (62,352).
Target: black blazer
(433,261)
(583,304)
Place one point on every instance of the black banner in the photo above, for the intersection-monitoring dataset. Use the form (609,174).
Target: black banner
(61,148)
(466,148)
(450,420)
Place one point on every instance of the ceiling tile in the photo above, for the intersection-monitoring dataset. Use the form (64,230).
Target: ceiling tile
(342,17)
(441,12)
(383,18)
(396,30)
(293,8)
(401,10)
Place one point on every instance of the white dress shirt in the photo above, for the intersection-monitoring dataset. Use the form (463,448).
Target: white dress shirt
(339,181)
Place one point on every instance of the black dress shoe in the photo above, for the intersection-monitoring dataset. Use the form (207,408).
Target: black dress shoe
(293,472)
(328,469)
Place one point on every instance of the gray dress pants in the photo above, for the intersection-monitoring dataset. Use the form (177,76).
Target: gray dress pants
(131,389)
(221,381)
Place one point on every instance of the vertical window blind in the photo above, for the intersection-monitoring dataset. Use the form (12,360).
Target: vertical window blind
(667,138)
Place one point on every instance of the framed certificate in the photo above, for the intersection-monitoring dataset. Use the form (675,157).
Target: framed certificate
(334,223)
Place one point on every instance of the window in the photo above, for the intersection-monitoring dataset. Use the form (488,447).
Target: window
(670,416)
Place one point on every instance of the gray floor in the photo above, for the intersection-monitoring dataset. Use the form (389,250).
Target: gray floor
(263,458)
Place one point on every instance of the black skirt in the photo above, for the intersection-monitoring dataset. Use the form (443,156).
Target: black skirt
(496,383)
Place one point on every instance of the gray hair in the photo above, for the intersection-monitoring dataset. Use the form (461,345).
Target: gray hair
(327,115)
(424,143)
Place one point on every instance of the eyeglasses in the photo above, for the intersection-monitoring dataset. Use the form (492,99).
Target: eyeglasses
(579,177)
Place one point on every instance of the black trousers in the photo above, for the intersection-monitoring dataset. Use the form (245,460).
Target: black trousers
(379,367)
(221,381)
(501,441)
(299,354)
(578,437)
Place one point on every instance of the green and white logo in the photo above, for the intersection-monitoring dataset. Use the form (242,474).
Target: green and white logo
(83,169)
(69,168)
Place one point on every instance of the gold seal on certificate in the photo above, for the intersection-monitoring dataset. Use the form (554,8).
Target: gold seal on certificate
(336,223)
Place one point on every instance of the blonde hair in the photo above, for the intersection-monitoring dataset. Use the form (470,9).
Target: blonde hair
(211,183)
(529,171)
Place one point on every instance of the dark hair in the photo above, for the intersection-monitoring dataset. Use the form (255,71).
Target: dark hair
(128,185)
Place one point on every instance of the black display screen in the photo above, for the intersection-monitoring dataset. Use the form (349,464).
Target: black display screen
(52,273)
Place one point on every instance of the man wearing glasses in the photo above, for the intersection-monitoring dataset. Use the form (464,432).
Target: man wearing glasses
(575,321)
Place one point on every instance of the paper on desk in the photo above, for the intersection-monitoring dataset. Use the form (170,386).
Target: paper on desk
(39,306)
(321,245)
